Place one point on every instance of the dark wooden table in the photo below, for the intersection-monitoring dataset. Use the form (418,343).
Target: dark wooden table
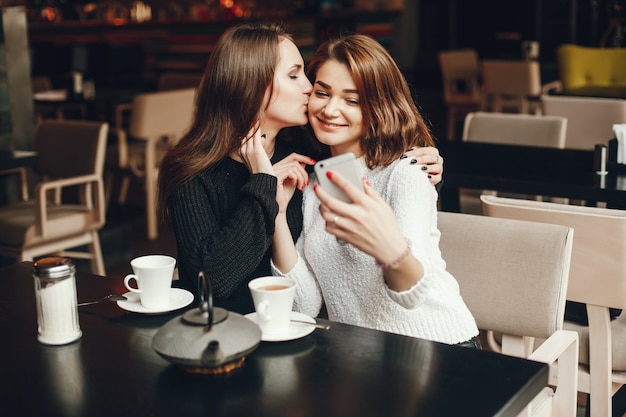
(528,170)
(345,371)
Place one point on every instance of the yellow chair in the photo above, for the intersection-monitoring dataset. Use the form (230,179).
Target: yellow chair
(513,276)
(460,72)
(68,208)
(583,66)
(597,279)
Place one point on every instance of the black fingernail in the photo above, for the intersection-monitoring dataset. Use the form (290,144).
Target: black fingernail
(424,167)
(403,157)
(429,176)
(413,161)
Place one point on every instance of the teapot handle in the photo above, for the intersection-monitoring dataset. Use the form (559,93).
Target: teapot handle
(205,291)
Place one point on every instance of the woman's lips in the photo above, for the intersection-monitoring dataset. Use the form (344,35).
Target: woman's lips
(329,124)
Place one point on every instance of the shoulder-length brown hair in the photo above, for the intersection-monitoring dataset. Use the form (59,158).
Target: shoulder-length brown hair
(391,121)
(230,95)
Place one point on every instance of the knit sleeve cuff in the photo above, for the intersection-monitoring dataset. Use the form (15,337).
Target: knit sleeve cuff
(308,297)
(412,297)
(262,182)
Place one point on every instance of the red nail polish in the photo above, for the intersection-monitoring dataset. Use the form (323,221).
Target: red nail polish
(307,182)
(315,187)
(313,161)
(329,174)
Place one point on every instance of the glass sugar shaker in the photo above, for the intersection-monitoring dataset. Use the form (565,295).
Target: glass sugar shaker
(55,295)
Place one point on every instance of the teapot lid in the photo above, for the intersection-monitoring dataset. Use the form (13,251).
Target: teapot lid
(205,339)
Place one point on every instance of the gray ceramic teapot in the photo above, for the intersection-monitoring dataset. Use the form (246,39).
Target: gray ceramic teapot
(207,339)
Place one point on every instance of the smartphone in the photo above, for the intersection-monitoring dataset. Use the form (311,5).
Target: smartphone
(346,165)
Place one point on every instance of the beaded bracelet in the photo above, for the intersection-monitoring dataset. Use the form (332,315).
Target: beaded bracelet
(396,261)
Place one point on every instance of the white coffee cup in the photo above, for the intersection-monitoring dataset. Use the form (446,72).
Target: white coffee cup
(153,275)
(273,302)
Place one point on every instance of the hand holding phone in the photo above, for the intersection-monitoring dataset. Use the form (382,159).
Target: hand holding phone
(344,164)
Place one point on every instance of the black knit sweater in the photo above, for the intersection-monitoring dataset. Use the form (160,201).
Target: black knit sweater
(223,220)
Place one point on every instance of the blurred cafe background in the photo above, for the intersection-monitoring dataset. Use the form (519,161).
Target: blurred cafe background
(121,47)
(87,60)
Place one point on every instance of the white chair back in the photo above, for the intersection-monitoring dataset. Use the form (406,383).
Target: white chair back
(589,120)
(513,277)
(597,279)
(515,129)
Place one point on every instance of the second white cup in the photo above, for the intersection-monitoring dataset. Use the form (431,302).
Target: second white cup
(153,275)
(273,301)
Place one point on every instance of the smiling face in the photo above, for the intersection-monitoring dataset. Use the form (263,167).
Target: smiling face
(289,98)
(334,109)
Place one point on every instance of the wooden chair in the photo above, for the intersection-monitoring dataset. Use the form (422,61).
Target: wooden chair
(589,120)
(22,175)
(157,121)
(68,208)
(510,129)
(460,72)
(513,85)
(597,279)
(513,277)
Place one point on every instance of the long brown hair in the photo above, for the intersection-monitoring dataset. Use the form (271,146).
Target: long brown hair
(228,103)
(391,121)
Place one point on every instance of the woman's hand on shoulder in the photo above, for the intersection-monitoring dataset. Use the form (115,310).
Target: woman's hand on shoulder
(430,158)
(293,168)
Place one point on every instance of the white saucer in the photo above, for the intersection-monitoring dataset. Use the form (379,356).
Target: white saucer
(179,298)
(296,330)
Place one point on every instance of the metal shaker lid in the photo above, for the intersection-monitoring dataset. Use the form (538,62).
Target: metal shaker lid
(53,267)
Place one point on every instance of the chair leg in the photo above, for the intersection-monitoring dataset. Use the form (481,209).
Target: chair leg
(97,263)
(151,185)
(121,199)
(600,365)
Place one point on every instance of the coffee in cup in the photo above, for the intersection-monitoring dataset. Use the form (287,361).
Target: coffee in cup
(273,302)
(153,275)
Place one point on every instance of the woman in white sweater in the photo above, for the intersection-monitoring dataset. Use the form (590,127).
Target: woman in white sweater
(376,262)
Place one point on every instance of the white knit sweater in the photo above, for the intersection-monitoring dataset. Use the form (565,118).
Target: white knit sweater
(352,286)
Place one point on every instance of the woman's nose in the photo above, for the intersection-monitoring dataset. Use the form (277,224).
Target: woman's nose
(330,109)
(308,87)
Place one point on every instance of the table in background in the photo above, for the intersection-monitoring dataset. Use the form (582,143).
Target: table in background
(58,104)
(567,173)
(345,371)
(16,159)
